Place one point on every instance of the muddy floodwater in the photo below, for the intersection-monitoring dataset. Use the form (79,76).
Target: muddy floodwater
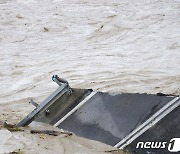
(116,46)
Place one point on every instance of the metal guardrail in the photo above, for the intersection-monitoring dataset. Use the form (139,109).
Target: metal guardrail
(62,89)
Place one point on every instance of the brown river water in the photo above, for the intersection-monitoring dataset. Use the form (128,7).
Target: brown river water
(114,46)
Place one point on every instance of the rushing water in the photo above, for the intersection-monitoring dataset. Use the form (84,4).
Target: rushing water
(107,45)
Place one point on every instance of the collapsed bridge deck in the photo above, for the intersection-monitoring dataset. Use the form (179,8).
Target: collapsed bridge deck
(120,120)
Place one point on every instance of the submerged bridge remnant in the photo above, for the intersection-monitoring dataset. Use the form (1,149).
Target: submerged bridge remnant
(121,120)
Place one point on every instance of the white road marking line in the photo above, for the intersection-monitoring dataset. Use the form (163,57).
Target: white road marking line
(75,108)
(149,123)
